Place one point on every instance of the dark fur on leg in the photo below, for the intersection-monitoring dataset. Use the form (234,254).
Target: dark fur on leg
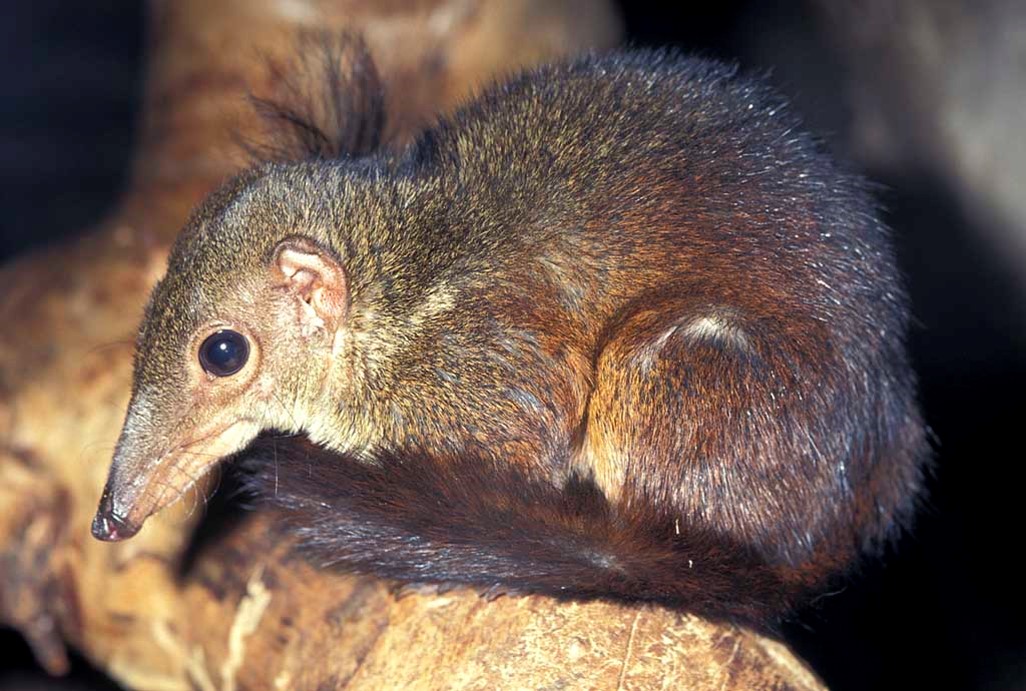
(419,519)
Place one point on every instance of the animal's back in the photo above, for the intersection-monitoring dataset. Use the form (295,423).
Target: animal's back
(661,170)
(732,287)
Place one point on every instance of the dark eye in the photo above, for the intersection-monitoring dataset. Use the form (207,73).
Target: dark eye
(224,353)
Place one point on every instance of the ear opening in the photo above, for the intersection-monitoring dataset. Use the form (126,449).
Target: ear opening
(317,279)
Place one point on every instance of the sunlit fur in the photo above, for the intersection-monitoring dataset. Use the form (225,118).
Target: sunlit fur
(616,328)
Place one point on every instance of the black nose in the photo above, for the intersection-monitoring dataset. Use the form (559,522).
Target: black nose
(110,527)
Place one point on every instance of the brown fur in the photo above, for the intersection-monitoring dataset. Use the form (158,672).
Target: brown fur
(468,520)
(616,328)
(327,103)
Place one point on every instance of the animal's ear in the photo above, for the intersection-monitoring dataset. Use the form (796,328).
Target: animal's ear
(316,279)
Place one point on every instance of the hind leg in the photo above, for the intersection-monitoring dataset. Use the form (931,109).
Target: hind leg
(724,419)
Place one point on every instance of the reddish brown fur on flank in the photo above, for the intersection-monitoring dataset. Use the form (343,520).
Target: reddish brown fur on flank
(617,328)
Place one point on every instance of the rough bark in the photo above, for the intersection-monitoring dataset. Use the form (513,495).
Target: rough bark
(244,613)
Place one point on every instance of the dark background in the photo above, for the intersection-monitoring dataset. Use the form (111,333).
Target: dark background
(944,609)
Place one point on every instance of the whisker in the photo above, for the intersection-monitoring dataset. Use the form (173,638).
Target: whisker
(95,447)
(109,345)
(295,423)
(200,454)
(193,489)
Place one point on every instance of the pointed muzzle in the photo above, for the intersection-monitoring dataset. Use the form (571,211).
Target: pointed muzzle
(143,480)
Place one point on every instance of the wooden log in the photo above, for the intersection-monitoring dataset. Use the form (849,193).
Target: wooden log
(241,611)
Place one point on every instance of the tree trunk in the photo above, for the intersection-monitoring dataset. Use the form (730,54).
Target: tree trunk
(240,611)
